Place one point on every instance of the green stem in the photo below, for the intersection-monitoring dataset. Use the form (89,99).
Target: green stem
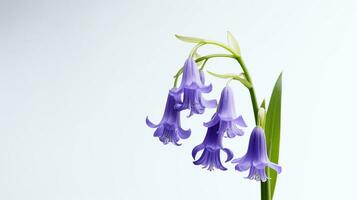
(219,55)
(203,64)
(194,49)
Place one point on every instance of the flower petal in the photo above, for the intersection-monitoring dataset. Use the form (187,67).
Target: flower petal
(202,77)
(177,144)
(243,165)
(217,161)
(159,131)
(197,149)
(223,125)
(229,154)
(176,91)
(203,158)
(262,175)
(209,103)
(236,160)
(206,89)
(184,133)
(213,121)
(251,174)
(233,131)
(240,121)
(192,86)
(276,167)
(150,124)
(259,164)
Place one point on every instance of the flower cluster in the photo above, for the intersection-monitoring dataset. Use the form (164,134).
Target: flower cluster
(191,88)
(225,123)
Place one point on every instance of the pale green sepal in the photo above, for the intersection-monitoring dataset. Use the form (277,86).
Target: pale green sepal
(189,39)
(233,43)
(263,104)
(261,117)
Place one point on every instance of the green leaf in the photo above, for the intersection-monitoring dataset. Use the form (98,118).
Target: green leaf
(239,78)
(233,43)
(189,39)
(272,130)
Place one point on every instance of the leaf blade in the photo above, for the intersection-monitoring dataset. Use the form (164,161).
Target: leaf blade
(272,129)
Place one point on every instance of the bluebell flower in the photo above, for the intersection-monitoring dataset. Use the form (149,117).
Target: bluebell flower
(226,115)
(192,86)
(256,158)
(212,146)
(169,129)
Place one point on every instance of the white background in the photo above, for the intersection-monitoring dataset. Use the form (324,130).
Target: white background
(77,79)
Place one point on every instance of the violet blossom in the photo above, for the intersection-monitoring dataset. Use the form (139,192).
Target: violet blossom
(169,129)
(192,86)
(212,146)
(256,158)
(226,115)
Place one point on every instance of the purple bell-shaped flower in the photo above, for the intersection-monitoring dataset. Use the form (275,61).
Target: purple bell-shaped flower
(256,158)
(226,115)
(169,129)
(192,86)
(212,146)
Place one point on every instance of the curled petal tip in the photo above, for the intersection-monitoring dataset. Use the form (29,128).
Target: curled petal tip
(184,134)
(212,122)
(150,124)
(207,89)
(276,167)
(224,169)
(240,121)
(229,154)
(197,149)
(209,103)
(190,115)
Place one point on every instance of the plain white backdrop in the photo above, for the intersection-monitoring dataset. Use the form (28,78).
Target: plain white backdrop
(78,78)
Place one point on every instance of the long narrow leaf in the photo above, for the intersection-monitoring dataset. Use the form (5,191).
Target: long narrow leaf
(272,129)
